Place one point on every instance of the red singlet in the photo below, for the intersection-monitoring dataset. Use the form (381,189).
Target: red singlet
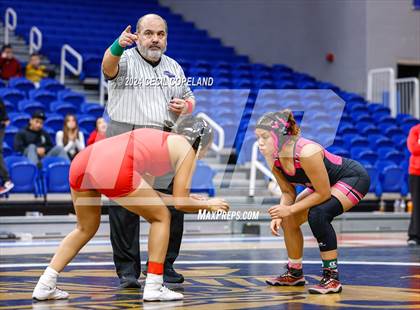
(114,166)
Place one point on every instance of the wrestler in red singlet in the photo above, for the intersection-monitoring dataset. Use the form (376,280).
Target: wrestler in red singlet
(124,158)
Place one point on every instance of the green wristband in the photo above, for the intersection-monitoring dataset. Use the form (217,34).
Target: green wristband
(116,49)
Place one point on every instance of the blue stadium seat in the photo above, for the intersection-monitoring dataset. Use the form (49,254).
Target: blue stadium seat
(339,151)
(7,150)
(93,109)
(10,133)
(10,107)
(23,175)
(394,156)
(365,119)
(374,179)
(54,122)
(379,111)
(392,130)
(21,84)
(12,95)
(369,130)
(339,142)
(336,149)
(382,151)
(382,164)
(87,122)
(57,177)
(368,156)
(397,138)
(43,96)
(359,142)
(393,180)
(284,84)
(202,180)
(30,106)
(384,142)
(63,108)
(51,85)
(385,121)
(347,129)
(71,97)
(15,159)
(19,120)
(357,150)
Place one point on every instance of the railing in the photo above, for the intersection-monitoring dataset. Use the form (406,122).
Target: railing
(35,47)
(221,133)
(102,85)
(64,64)
(381,88)
(256,164)
(10,13)
(408,96)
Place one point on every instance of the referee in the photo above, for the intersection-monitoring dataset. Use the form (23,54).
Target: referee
(145,88)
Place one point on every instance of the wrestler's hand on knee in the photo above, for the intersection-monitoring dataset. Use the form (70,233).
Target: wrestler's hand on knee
(275,226)
(280,211)
(218,204)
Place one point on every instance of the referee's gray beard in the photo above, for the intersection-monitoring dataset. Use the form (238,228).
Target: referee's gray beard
(150,54)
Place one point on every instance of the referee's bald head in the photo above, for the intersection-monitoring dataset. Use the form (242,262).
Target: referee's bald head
(148,18)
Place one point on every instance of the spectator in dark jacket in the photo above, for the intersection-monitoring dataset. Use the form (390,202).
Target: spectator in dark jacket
(9,65)
(35,143)
(4,174)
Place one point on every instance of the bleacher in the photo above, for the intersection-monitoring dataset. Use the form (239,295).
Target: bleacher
(366,131)
(91,26)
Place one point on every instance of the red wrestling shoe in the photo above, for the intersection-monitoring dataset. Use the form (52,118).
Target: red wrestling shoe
(329,284)
(292,277)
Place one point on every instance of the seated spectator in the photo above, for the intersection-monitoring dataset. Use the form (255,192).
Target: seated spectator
(9,65)
(35,143)
(71,138)
(4,174)
(35,72)
(99,133)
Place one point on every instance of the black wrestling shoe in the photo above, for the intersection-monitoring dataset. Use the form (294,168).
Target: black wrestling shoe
(171,276)
(129,282)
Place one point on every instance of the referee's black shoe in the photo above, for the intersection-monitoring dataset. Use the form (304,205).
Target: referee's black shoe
(129,282)
(169,274)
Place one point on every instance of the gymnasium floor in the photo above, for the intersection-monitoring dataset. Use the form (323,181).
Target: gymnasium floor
(378,271)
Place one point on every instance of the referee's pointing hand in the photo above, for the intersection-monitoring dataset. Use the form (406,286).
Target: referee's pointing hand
(127,38)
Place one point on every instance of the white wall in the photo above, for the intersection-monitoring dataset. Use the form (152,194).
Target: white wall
(299,33)
(393,33)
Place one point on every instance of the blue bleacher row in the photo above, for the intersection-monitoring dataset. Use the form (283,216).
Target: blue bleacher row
(104,23)
(21,99)
(53,177)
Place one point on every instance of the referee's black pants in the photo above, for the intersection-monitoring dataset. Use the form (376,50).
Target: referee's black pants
(125,225)
(414,228)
